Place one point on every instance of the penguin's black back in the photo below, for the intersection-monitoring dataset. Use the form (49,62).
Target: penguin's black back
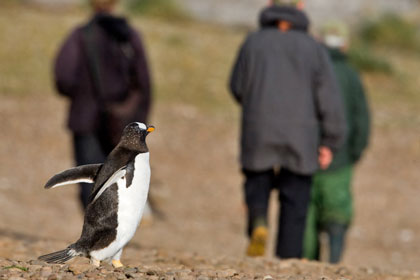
(101,222)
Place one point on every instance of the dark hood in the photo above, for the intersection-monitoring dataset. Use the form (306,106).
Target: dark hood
(272,14)
(116,27)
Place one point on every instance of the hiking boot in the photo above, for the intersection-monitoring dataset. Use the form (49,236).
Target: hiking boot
(256,247)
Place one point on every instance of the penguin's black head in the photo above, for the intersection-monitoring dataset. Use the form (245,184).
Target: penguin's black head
(134,137)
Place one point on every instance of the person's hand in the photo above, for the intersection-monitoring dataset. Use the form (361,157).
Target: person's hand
(325,157)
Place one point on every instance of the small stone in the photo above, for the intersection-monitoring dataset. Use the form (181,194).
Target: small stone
(143,270)
(202,277)
(268,277)
(128,270)
(182,273)
(121,276)
(34,268)
(136,275)
(107,266)
(104,271)
(342,271)
(206,272)
(119,269)
(67,276)
(150,272)
(79,268)
(59,267)
(91,274)
(226,273)
(46,271)
(16,278)
(53,277)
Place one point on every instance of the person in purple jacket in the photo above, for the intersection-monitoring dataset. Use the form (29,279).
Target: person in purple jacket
(102,69)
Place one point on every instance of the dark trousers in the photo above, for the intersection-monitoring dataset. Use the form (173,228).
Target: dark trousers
(294,197)
(89,149)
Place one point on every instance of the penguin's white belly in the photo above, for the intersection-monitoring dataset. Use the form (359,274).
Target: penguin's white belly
(131,203)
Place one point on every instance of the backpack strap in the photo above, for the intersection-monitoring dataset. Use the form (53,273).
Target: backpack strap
(89,44)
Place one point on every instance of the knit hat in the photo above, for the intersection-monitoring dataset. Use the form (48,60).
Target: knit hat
(335,34)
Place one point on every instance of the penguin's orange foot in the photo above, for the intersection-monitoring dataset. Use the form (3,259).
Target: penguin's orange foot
(117,263)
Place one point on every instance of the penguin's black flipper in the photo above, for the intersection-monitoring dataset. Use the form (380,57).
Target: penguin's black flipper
(60,256)
(79,174)
(112,180)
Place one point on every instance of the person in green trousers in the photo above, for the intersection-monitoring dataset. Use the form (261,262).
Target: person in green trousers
(331,206)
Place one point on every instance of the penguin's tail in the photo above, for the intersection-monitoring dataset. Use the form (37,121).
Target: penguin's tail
(60,256)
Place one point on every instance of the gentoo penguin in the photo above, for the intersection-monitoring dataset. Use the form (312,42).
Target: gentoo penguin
(118,197)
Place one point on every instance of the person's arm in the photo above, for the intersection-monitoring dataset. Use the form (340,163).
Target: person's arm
(238,79)
(330,109)
(360,120)
(67,65)
(141,72)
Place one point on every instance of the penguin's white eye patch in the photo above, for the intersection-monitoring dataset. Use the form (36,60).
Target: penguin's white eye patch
(142,125)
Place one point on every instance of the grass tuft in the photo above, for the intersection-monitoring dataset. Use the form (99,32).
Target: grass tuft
(18,267)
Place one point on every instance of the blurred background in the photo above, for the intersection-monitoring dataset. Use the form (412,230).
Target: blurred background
(196,179)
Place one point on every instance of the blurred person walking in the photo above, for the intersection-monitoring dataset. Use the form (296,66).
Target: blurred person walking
(292,121)
(331,207)
(102,69)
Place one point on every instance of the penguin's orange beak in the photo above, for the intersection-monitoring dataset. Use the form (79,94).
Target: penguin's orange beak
(150,129)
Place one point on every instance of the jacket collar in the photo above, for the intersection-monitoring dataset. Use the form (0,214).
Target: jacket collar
(116,27)
(272,14)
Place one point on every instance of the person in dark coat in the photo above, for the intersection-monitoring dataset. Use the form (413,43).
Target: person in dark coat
(331,207)
(292,122)
(102,69)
